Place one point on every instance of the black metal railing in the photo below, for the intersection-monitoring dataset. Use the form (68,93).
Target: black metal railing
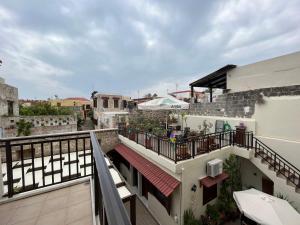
(108,204)
(276,162)
(40,161)
(44,160)
(186,148)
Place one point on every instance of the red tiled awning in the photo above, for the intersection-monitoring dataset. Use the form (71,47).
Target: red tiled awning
(164,182)
(210,181)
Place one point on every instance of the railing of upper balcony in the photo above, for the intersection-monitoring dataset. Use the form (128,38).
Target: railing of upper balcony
(40,161)
(188,147)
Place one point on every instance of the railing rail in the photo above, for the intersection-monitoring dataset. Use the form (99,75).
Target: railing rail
(192,146)
(277,162)
(41,161)
(109,205)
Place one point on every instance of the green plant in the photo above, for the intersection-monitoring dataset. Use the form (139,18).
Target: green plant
(189,218)
(43,109)
(80,122)
(226,203)
(24,128)
(213,214)
(183,118)
(205,127)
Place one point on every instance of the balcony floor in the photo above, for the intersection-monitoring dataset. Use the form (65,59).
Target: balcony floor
(69,205)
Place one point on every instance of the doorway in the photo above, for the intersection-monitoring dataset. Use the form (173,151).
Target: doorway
(267,186)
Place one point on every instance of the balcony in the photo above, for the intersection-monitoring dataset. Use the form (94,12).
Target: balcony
(190,147)
(64,179)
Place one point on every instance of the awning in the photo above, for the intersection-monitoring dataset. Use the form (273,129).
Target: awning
(164,182)
(210,181)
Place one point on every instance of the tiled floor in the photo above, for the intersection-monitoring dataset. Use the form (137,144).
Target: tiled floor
(143,217)
(70,205)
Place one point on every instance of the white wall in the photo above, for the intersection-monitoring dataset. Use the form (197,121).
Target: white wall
(160,211)
(278,126)
(193,121)
(275,72)
(280,184)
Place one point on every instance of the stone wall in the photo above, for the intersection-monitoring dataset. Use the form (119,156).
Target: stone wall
(241,104)
(8,93)
(41,124)
(152,114)
(109,139)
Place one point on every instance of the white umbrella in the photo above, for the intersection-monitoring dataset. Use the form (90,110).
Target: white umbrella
(167,103)
(266,209)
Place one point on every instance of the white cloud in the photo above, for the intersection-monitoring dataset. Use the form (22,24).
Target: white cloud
(151,10)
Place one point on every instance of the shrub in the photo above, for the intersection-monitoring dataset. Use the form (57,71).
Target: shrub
(189,218)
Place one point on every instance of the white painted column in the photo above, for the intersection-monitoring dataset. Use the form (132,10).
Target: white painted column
(140,183)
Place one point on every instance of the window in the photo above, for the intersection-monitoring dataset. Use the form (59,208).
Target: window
(10,108)
(165,201)
(58,104)
(124,104)
(95,102)
(116,103)
(209,193)
(105,103)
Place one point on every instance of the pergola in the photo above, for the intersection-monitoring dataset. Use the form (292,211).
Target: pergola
(217,79)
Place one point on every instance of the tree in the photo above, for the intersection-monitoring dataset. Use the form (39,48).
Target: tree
(93,94)
(43,109)
(24,128)
(148,95)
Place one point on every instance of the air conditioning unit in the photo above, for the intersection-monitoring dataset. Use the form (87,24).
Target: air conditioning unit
(214,167)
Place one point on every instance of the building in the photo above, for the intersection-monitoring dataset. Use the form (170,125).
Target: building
(44,124)
(152,174)
(199,96)
(9,103)
(109,109)
(31,102)
(77,104)
(264,137)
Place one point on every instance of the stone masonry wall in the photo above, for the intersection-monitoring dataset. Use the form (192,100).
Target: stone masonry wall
(41,124)
(241,104)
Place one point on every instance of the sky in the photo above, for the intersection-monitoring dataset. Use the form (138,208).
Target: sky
(134,47)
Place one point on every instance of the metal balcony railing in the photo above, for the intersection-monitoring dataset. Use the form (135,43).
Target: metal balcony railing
(186,148)
(40,161)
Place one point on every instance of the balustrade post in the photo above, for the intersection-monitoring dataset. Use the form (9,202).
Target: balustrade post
(9,169)
(193,148)
(275,161)
(137,137)
(158,145)
(220,141)
(145,141)
(175,152)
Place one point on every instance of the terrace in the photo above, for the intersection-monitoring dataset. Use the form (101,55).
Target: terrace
(188,147)
(66,175)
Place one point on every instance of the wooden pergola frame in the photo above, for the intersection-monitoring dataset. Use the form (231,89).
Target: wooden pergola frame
(216,79)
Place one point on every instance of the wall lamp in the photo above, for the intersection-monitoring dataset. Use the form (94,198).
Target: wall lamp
(194,188)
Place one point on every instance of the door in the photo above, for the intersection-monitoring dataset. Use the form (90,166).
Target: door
(267,186)
(145,187)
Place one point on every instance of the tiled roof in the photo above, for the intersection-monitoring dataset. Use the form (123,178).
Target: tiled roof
(158,177)
(77,98)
